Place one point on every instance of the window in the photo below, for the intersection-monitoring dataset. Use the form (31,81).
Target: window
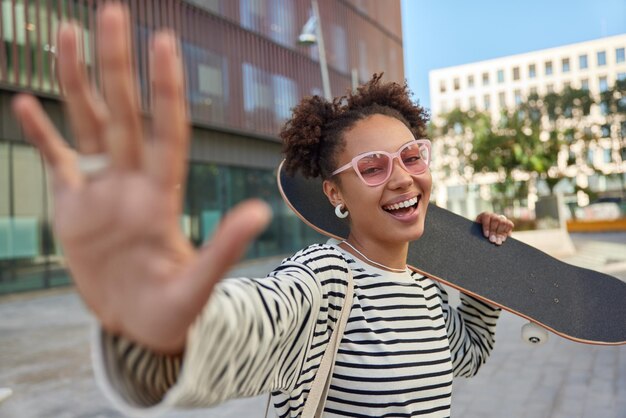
(515,73)
(500,76)
(619,55)
(567,85)
(532,71)
(606,131)
(584,84)
(502,99)
(550,88)
(606,155)
(470,81)
(603,84)
(444,107)
(442,86)
(457,84)
(565,65)
(472,103)
(485,79)
(518,97)
(621,76)
(487,102)
(582,62)
(533,91)
(601,58)
(548,66)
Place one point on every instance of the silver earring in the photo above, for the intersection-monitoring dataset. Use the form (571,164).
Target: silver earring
(339,213)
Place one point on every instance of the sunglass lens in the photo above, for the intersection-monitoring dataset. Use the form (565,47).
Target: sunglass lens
(373,168)
(415,158)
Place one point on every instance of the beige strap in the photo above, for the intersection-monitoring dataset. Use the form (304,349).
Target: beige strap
(315,402)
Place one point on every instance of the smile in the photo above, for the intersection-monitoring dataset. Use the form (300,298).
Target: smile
(402,205)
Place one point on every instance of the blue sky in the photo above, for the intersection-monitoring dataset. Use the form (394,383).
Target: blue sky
(443,33)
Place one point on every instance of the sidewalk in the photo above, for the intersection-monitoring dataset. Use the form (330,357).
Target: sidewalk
(44,359)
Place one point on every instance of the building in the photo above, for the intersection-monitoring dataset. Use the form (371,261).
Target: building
(495,85)
(244,72)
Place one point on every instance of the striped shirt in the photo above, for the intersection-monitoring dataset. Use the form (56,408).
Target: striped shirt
(401,348)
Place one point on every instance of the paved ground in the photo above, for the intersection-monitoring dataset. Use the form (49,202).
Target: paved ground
(44,358)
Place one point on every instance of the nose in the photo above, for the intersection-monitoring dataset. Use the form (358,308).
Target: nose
(399,178)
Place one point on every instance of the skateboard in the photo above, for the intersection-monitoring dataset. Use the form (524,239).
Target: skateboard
(579,304)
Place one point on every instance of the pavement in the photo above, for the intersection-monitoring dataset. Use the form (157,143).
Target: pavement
(44,360)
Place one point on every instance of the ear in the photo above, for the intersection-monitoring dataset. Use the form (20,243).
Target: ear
(332,192)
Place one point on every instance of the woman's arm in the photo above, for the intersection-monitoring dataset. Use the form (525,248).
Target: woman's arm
(252,337)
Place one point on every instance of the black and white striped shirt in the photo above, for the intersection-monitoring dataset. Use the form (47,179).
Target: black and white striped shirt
(402,344)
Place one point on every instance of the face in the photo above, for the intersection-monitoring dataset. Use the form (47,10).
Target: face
(374,214)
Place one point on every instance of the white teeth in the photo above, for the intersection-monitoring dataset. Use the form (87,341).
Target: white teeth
(404,204)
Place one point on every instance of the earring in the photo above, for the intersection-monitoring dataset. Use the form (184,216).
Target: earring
(339,213)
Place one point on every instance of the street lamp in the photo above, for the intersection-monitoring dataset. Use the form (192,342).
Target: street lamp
(312,34)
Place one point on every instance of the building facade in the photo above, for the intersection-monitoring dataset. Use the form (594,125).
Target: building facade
(244,72)
(495,85)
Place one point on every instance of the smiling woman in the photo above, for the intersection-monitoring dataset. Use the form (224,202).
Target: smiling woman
(175,333)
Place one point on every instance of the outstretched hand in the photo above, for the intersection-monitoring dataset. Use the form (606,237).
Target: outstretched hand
(496,228)
(119,225)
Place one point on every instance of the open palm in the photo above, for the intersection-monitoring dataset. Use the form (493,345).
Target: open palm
(119,226)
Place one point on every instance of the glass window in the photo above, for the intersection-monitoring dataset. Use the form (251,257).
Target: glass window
(567,85)
(500,76)
(603,84)
(472,103)
(516,73)
(548,66)
(457,84)
(619,55)
(502,99)
(285,97)
(584,84)
(487,101)
(518,97)
(601,58)
(485,79)
(550,88)
(533,91)
(607,155)
(621,76)
(582,62)
(606,130)
(470,81)
(442,86)
(565,65)
(532,71)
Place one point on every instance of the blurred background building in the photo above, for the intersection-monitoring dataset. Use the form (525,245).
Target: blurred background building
(576,93)
(244,72)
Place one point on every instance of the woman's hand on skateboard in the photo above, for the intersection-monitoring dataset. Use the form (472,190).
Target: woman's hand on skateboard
(495,227)
(118,216)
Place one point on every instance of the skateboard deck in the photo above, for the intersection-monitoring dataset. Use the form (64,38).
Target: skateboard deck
(579,304)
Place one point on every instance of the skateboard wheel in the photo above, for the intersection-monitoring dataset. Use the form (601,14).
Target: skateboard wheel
(533,334)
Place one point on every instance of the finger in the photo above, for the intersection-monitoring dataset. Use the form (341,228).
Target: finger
(483,219)
(493,221)
(87,116)
(123,137)
(168,153)
(229,242)
(40,131)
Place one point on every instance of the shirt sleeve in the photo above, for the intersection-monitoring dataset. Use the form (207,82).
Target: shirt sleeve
(471,331)
(252,337)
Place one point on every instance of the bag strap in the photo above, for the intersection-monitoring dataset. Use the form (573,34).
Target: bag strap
(315,402)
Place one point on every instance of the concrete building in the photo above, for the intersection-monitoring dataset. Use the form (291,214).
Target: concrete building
(503,83)
(244,72)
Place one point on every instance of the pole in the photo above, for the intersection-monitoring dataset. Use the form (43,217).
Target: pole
(322,51)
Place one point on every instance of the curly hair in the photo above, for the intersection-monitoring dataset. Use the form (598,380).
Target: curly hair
(314,135)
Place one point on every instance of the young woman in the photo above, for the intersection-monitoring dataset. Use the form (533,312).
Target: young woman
(172,332)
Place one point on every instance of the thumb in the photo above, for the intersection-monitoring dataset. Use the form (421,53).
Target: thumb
(238,228)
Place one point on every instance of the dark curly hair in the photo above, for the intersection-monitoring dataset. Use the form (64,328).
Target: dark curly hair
(314,134)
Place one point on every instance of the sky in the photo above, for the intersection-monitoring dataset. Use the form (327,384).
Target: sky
(444,33)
